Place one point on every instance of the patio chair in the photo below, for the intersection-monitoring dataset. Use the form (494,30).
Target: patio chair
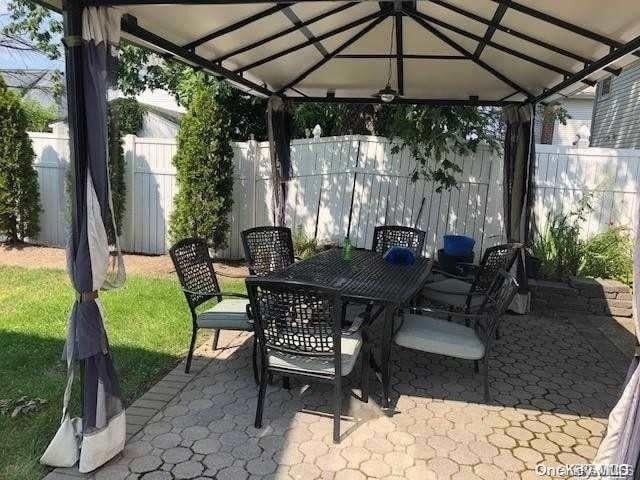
(421,329)
(197,277)
(466,292)
(299,327)
(267,249)
(387,236)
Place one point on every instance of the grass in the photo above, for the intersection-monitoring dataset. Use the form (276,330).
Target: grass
(148,326)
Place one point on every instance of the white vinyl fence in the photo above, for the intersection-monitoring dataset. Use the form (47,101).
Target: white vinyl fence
(335,175)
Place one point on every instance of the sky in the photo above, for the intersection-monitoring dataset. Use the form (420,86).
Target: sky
(14,60)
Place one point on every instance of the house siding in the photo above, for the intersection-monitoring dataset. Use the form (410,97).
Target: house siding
(580,111)
(616,117)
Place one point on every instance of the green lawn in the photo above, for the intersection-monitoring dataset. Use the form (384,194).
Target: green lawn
(148,325)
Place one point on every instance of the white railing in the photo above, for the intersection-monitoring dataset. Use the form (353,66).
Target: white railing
(334,176)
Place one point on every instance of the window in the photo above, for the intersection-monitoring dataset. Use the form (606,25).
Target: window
(605,87)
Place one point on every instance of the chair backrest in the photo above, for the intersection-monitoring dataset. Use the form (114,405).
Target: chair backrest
(267,249)
(497,301)
(494,260)
(385,237)
(296,317)
(194,268)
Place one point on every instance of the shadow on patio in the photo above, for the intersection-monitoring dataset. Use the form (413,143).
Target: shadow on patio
(551,394)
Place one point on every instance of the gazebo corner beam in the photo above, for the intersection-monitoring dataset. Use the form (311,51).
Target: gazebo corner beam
(130,25)
(481,63)
(399,51)
(335,52)
(310,41)
(487,41)
(522,36)
(616,54)
(545,17)
(491,29)
(236,26)
(284,32)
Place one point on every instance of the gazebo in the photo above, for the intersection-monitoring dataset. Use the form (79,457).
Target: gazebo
(499,53)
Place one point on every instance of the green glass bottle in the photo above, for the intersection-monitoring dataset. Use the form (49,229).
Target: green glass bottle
(347,249)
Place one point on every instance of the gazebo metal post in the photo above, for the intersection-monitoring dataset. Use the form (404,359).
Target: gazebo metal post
(72,20)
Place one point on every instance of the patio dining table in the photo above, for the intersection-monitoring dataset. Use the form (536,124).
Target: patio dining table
(364,278)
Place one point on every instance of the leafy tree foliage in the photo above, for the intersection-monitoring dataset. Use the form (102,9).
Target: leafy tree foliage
(32,27)
(38,115)
(125,117)
(19,195)
(204,164)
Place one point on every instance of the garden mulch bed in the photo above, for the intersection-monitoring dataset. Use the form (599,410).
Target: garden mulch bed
(35,256)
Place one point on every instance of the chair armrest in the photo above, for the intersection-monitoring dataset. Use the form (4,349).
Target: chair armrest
(464,278)
(213,293)
(433,311)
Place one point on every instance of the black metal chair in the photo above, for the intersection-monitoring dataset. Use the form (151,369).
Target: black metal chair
(299,327)
(423,330)
(267,249)
(197,277)
(466,292)
(385,237)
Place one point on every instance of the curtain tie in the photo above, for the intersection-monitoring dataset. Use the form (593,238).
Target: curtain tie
(86,296)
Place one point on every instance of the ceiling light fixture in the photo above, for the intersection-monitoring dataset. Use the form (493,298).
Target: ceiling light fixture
(388,94)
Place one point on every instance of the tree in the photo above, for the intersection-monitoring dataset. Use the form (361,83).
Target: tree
(19,194)
(204,164)
(38,115)
(125,116)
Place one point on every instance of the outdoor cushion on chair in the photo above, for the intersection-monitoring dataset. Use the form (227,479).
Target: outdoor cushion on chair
(350,348)
(451,291)
(432,335)
(229,314)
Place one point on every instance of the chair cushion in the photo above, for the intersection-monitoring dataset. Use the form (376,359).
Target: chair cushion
(433,335)
(451,292)
(229,314)
(350,348)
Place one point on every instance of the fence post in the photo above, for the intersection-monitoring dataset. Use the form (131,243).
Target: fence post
(129,147)
(252,156)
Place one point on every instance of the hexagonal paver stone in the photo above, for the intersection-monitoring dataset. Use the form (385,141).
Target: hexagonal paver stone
(543,445)
(233,438)
(261,466)
(304,471)
(489,472)
(378,445)
(508,463)
(112,472)
(350,474)
(157,476)
(313,449)
(463,456)
(561,439)
(375,468)
(145,464)
(200,404)
(187,470)
(232,473)
(176,455)
(218,460)
(401,438)
(206,446)
(331,462)
(527,455)
(136,449)
(398,461)
(501,440)
(247,451)
(419,472)
(166,440)
(195,433)
(355,455)
(157,428)
(519,433)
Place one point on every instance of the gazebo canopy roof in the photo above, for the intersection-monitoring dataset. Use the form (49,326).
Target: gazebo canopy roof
(437,51)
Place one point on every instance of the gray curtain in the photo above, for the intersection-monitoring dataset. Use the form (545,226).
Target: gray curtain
(93,255)
(519,161)
(621,444)
(280,129)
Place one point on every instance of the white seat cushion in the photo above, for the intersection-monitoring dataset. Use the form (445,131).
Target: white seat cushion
(433,335)
(451,292)
(229,314)
(350,348)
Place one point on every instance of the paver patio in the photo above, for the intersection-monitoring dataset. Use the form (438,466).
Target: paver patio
(551,387)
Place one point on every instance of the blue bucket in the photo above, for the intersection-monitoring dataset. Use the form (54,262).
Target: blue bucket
(458,245)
